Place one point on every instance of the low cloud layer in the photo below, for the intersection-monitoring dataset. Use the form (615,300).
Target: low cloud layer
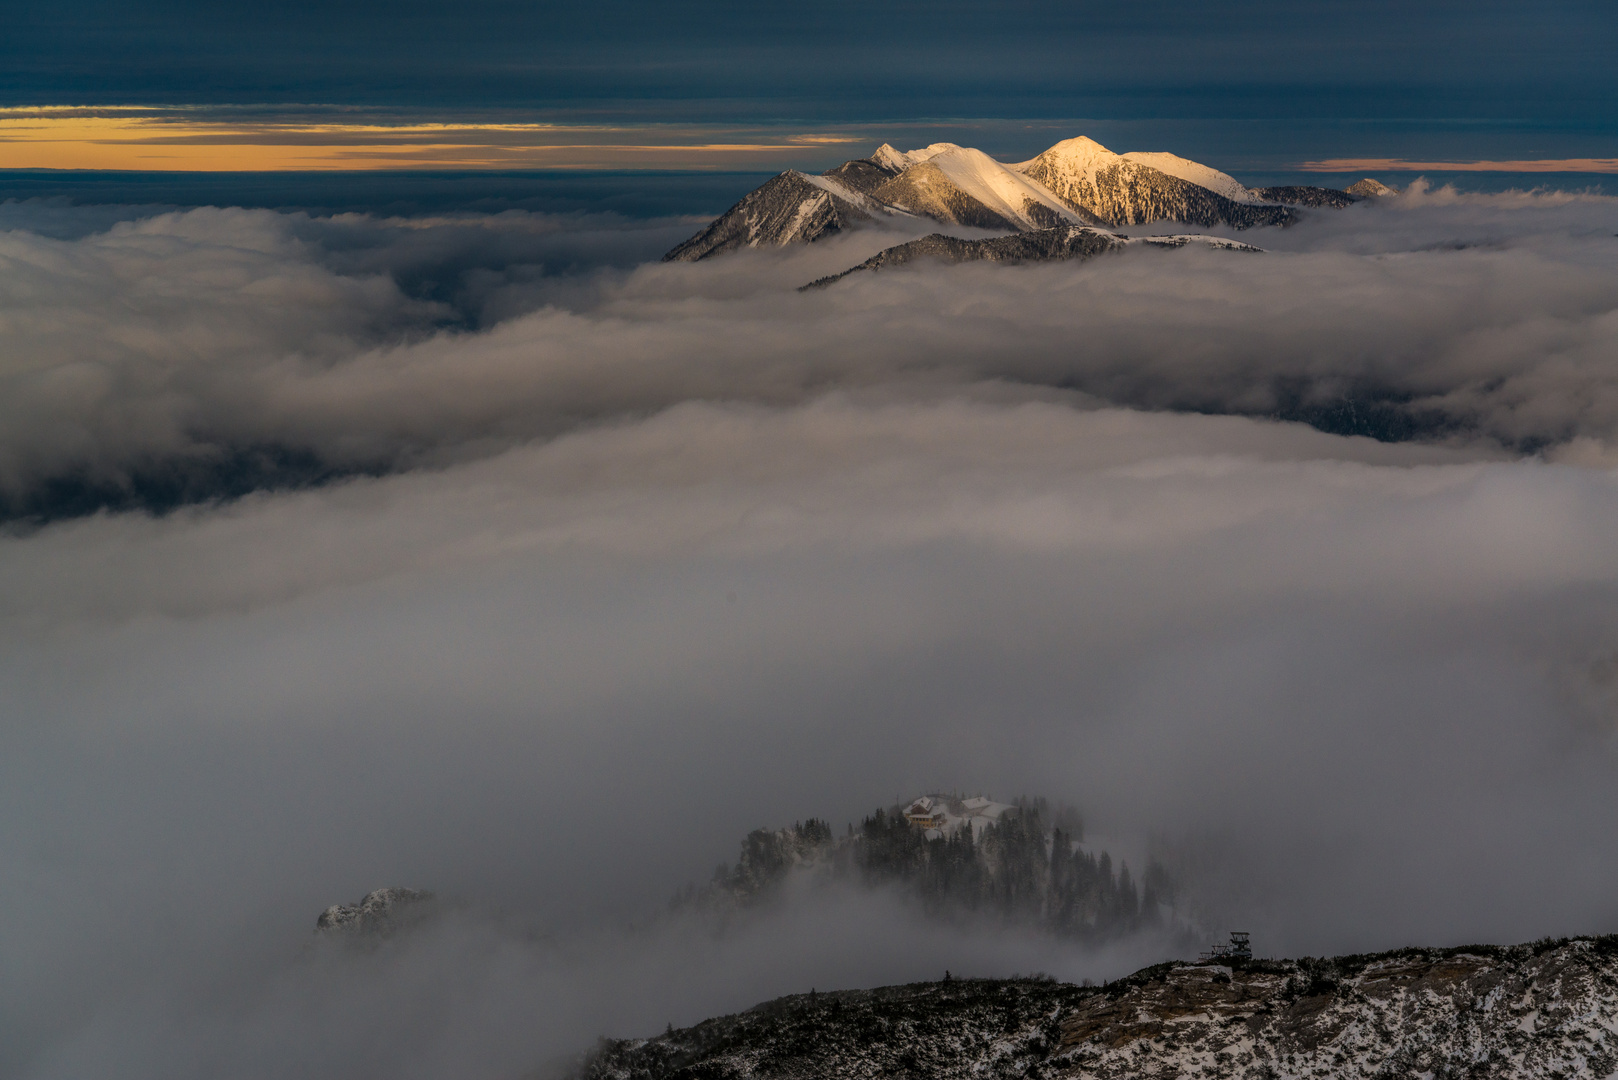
(179,357)
(659,554)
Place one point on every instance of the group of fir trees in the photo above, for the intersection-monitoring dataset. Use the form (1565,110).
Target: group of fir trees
(1014,868)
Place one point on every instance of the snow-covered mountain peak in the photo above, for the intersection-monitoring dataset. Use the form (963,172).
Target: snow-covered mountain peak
(889,158)
(1076,182)
(996,186)
(927,153)
(1080,154)
(1197,173)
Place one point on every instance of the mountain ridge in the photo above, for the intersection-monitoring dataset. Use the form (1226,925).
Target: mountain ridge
(1075,182)
(1546,1009)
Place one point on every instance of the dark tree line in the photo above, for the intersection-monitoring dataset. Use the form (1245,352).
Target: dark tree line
(1017,869)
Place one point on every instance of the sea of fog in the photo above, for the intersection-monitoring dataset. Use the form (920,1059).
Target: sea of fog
(467,547)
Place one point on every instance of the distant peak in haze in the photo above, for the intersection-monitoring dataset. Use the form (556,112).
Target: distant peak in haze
(1372,189)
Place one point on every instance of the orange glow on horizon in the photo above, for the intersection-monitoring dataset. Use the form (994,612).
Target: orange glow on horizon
(133,139)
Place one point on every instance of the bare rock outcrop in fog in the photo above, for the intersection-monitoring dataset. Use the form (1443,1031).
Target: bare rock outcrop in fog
(382,913)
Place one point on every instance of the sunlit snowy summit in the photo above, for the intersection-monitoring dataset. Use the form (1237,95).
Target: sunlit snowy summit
(1077,182)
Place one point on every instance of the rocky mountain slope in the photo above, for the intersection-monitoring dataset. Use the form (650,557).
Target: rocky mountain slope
(1544,1010)
(1076,182)
(1042,245)
(792,208)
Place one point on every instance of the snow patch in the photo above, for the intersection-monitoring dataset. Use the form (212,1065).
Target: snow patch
(996,186)
(1187,239)
(1196,173)
(847,194)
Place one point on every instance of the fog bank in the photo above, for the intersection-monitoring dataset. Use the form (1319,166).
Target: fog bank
(657,555)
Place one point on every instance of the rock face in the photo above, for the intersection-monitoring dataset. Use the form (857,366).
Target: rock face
(1075,182)
(381,913)
(792,208)
(1544,1010)
(1043,245)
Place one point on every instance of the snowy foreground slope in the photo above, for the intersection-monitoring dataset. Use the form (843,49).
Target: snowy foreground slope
(1076,182)
(1542,1010)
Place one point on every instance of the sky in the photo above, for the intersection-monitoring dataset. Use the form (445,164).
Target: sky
(378,509)
(629,84)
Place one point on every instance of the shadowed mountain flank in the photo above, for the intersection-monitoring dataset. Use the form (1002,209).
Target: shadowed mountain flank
(791,208)
(1304,195)
(1043,245)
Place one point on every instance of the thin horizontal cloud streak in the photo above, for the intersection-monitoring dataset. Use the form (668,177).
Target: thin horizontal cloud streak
(1537,165)
(214,139)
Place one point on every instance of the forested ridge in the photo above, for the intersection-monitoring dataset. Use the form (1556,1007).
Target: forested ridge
(1028,867)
